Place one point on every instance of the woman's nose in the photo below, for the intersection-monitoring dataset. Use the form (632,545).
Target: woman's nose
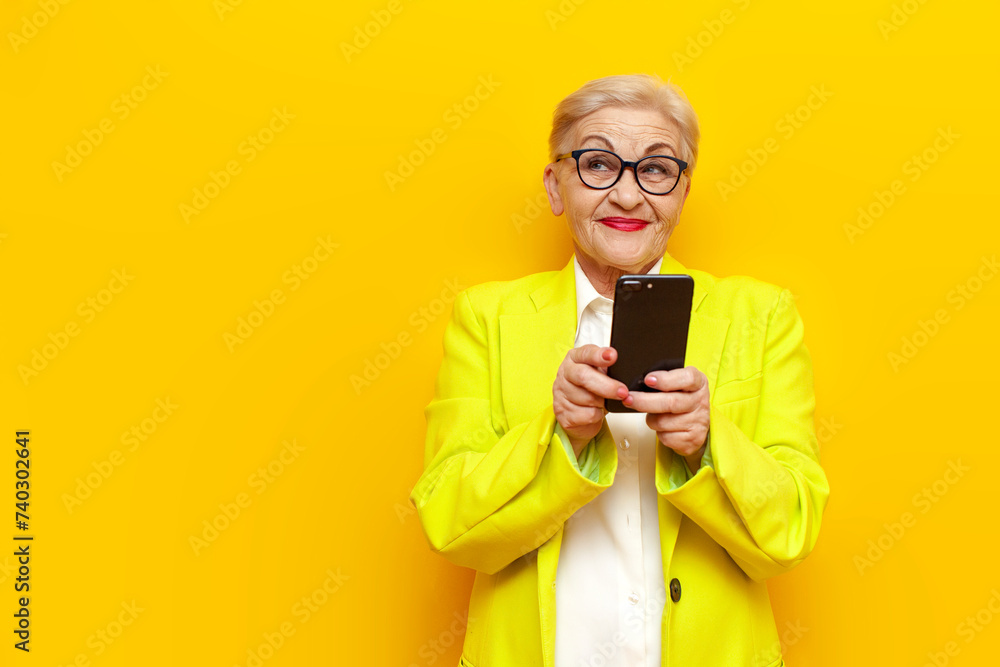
(626,192)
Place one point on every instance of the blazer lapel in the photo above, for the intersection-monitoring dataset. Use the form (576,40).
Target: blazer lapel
(533,344)
(706,333)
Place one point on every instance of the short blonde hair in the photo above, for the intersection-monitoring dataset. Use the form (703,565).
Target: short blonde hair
(633,91)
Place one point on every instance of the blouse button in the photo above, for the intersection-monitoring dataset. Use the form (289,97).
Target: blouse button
(675,589)
(633,598)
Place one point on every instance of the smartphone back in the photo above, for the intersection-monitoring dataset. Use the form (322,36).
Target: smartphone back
(649,328)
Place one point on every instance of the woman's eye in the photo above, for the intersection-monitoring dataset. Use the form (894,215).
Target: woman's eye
(654,168)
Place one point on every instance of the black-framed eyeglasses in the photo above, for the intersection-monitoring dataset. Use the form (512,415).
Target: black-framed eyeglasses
(600,169)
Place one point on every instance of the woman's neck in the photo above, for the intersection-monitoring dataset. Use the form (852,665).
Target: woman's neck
(603,277)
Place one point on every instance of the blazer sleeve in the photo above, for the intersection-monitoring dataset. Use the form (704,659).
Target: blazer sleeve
(588,463)
(490,493)
(763,496)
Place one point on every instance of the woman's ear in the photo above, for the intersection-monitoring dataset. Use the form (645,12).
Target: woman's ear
(551,181)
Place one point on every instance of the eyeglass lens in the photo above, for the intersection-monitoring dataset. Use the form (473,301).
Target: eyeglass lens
(656,174)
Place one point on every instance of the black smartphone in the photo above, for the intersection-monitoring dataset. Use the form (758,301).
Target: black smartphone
(649,328)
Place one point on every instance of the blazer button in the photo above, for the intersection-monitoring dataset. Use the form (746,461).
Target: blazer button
(675,589)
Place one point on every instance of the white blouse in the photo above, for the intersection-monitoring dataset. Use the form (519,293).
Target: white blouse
(610,590)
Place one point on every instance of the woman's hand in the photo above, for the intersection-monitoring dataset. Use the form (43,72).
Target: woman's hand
(678,412)
(579,391)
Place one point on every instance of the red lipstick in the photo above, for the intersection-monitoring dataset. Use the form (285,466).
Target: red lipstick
(624,224)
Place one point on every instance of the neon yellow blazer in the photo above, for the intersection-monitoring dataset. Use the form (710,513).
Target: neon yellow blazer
(498,485)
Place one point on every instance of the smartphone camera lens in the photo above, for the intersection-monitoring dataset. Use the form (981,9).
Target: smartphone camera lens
(632,285)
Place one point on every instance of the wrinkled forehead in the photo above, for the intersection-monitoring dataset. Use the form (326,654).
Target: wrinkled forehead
(631,133)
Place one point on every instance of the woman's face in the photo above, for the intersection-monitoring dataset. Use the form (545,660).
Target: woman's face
(623,227)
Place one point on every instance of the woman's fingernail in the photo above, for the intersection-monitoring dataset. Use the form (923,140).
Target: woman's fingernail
(650,379)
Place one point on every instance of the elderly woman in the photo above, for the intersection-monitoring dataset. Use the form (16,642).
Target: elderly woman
(641,538)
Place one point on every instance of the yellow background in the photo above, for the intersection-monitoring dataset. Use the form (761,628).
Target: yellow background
(463,216)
